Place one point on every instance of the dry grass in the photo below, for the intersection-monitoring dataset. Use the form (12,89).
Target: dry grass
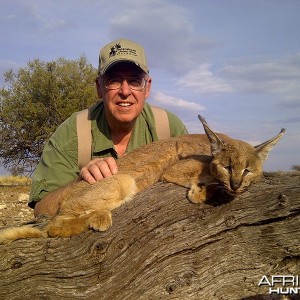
(15,180)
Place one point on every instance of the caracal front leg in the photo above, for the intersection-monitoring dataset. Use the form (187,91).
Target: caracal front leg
(197,193)
(189,173)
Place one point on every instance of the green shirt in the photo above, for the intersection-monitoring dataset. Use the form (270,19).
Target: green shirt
(58,165)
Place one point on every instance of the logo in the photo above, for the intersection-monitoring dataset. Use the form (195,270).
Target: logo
(117,49)
(281,284)
(114,49)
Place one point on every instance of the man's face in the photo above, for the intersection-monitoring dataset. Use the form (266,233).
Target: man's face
(124,103)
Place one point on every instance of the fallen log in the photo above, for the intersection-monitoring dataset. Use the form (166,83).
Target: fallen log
(163,247)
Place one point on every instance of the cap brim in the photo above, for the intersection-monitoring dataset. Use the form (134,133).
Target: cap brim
(104,70)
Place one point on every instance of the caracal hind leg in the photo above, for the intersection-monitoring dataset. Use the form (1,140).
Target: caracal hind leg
(65,226)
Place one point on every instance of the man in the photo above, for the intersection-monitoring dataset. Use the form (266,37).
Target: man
(121,122)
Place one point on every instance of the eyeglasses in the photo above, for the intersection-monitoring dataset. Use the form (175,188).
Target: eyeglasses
(115,83)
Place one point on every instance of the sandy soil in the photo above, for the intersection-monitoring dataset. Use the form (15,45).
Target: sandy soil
(13,205)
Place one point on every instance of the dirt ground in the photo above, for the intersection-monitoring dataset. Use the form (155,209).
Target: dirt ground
(13,205)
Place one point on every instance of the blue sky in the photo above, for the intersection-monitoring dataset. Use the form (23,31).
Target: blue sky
(236,62)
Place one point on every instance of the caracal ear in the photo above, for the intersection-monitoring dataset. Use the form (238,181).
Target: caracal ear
(216,143)
(263,149)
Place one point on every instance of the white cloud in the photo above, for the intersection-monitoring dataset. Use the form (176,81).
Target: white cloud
(280,77)
(32,19)
(165,30)
(165,100)
(202,80)
(8,18)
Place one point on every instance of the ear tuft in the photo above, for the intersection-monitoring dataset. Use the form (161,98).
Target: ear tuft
(263,149)
(216,144)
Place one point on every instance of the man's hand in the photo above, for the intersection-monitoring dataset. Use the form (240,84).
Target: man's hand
(98,169)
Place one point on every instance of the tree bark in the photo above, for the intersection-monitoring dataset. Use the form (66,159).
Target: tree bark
(161,246)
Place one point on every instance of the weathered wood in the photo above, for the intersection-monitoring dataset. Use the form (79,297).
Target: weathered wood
(163,247)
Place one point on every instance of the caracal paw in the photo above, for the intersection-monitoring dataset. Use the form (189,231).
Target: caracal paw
(197,193)
(100,220)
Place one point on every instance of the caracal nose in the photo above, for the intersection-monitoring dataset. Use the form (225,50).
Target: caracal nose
(235,184)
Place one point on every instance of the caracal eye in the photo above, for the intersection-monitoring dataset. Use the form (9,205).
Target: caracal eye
(246,171)
(228,168)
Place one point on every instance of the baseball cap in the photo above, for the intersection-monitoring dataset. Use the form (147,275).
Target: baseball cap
(122,50)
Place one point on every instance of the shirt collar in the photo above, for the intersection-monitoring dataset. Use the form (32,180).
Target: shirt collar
(101,135)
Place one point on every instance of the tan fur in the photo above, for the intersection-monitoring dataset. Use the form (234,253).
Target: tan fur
(196,161)
(11,234)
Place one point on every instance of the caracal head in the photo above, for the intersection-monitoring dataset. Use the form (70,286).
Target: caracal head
(236,164)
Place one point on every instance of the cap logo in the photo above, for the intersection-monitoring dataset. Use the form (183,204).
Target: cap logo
(122,50)
(117,49)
